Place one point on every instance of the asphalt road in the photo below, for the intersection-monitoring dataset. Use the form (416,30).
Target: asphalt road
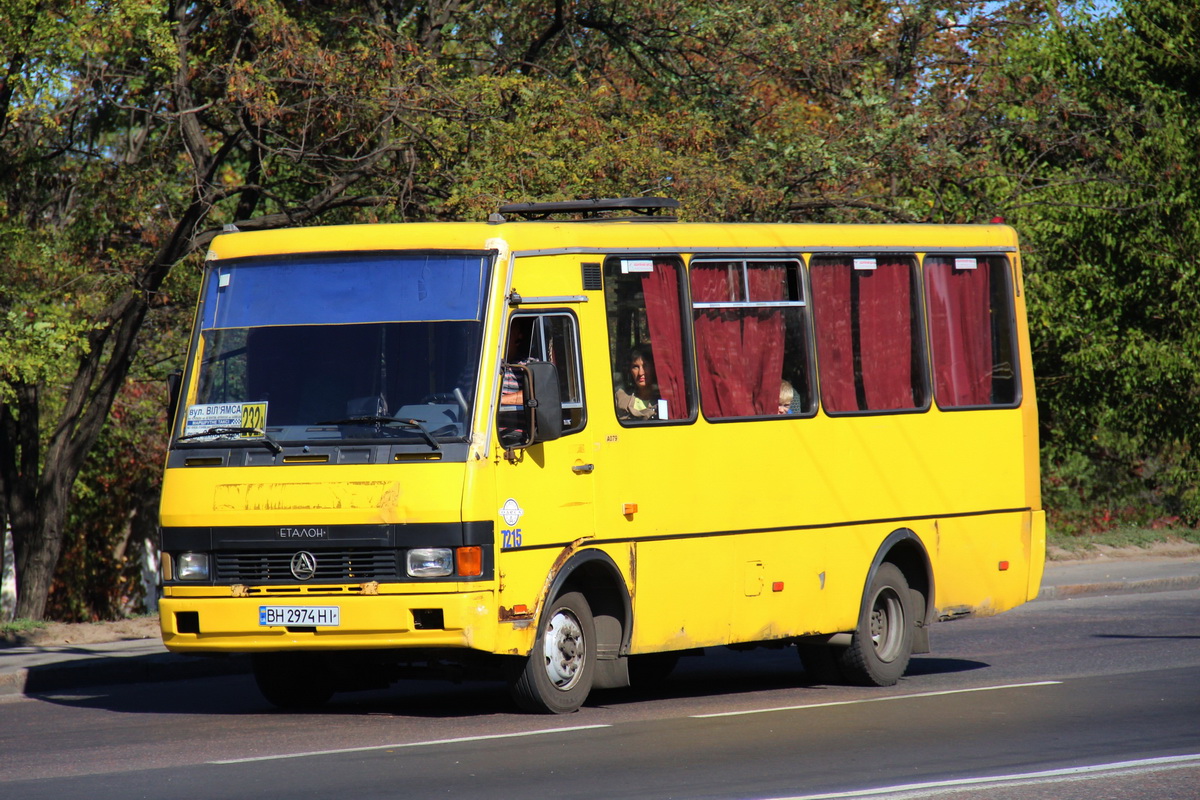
(1087,697)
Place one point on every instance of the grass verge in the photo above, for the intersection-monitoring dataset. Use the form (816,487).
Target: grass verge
(20,627)
(1121,537)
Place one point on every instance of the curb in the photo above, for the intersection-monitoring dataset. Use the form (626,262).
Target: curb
(1119,587)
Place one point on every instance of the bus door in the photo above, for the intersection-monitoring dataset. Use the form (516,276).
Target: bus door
(544,497)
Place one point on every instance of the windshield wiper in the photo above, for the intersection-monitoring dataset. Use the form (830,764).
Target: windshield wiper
(262,437)
(367,419)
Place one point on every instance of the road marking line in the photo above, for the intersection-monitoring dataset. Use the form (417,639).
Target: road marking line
(409,744)
(874,699)
(923,790)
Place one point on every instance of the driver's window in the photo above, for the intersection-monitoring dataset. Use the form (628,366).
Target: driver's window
(551,337)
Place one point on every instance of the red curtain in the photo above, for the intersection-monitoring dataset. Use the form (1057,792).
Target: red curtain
(739,351)
(864,335)
(660,289)
(835,339)
(961,332)
(762,337)
(885,335)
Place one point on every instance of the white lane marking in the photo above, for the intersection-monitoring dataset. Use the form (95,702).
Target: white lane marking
(933,788)
(409,744)
(875,699)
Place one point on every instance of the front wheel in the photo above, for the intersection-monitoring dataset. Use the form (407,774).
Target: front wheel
(882,644)
(557,676)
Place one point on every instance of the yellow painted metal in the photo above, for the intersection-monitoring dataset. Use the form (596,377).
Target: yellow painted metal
(744,531)
(230,624)
(312,494)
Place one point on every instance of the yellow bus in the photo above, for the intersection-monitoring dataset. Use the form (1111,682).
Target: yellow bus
(565,451)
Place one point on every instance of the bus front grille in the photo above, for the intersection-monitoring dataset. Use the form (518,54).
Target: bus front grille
(331,565)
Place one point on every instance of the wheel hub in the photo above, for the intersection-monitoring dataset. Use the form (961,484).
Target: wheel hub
(887,625)
(563,650)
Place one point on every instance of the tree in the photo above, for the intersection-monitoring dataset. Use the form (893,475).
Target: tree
(1111,216)
(129,133)
(132,131)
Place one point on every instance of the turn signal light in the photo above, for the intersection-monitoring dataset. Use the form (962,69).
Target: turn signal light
(468,561)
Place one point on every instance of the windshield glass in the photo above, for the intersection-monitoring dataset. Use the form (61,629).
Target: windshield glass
(337,347)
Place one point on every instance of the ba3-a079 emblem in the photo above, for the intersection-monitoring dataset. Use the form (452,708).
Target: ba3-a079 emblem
(304,565)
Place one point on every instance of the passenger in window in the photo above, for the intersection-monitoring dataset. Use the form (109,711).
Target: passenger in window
(786,395)
(512,397)
(638,399)
(510,389)
(517,354)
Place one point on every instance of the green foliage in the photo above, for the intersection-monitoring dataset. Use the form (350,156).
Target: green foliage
(1112,228)
(131,131)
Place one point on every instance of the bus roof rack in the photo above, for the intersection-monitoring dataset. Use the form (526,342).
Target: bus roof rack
(644,209)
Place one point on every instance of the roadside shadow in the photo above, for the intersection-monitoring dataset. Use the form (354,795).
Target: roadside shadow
(1136,636)
(85,673)
(721,674)
(236,695)
(942,666)
(186,685)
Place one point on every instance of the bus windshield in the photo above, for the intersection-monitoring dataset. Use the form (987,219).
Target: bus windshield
(360,346)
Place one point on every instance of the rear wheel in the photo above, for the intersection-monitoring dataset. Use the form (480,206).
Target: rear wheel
(293,681)
(882,644)
(557,676)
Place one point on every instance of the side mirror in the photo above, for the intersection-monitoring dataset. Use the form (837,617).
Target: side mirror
(544,401)
(539,417)
(174,383)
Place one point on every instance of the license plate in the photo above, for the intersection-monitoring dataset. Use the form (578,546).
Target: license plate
(300,616)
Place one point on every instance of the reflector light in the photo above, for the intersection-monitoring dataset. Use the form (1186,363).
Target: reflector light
(777,586)
(630,509)
(1003,566)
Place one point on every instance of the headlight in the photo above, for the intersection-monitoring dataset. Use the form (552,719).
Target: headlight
(430,562)
(192,567)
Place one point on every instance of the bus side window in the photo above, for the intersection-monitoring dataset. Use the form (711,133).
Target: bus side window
(752,355)
(869,334)
(972,331)
(553,337)
(643,302)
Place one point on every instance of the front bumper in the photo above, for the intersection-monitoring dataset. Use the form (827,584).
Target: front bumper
(193,624)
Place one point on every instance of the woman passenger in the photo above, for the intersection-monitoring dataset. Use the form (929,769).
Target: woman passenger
(638,399)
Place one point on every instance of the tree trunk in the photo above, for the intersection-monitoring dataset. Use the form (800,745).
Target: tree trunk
(36,553)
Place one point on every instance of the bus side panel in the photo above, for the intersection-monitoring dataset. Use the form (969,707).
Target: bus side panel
(1037,552)
(683,594)
(523,577)
(781,578)
(984,564)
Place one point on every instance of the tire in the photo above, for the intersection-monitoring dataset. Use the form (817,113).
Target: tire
(557,677)
(293,681)
(882,644)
